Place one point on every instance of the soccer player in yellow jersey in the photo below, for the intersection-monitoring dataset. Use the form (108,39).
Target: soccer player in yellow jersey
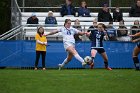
(41,43)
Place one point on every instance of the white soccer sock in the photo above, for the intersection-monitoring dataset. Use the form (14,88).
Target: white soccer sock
(77,56)
(64,62)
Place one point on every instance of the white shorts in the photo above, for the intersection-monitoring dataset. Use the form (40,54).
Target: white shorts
(68,44)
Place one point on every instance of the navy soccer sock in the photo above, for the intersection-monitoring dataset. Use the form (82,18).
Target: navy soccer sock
(136,62)
(106,64)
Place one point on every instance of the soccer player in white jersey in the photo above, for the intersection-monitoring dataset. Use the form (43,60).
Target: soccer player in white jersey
(69,42)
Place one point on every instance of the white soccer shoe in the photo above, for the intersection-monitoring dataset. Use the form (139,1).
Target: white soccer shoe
(60,66)
(84,64)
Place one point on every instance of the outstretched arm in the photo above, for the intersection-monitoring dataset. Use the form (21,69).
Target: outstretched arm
(53,32)
(136,40)
(135,35)
(88,34)
(81,33)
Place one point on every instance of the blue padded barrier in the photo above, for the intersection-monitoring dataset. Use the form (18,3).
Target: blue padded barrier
(22,54)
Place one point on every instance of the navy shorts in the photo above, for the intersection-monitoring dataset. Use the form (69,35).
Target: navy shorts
(138,44)
(99,50)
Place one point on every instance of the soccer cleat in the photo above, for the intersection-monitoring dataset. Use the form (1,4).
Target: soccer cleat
(35,68)
(91,65)
(44,69)
(108,68)
(137,68)
(60,66)
(84,64)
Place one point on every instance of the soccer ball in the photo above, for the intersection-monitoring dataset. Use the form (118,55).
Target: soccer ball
(88,59)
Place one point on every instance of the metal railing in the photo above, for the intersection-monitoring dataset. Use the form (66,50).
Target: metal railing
(58,8)
(34,5)
(27,32)
(75,7)
(30,31)
(16,33)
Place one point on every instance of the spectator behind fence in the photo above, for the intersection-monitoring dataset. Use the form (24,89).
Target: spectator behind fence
(68,9)
(135,10)
(111,32)
(94,26)
(50,20)
(122,32)
(117,15)
(83,10)
(33,19)
(135,29)
(78,27)
(104,15)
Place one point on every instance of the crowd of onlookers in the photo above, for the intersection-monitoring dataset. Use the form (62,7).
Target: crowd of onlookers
(121,33)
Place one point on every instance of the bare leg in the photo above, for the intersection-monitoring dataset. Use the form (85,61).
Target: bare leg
(93,54)
(135,57)
(68,59)
(136,51)
(72,50)
(104,55)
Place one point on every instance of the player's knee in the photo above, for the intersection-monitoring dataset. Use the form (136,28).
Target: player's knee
(106,59)
(69,59)
(134,54)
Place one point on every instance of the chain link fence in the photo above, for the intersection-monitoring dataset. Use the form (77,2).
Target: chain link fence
(15,14)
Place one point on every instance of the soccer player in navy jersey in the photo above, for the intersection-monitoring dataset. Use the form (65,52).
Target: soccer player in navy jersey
(97,36)
(136,51)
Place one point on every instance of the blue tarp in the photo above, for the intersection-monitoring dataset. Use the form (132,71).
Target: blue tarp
(22,54)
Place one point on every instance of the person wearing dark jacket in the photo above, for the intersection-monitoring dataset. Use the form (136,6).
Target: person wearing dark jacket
(104,15)
(135,29)
(122,32)
(33,19)
(83,10)
(94,26)
(135,10)
(78,27)
(117,15)
(68,9)
(50,19)
(111,32)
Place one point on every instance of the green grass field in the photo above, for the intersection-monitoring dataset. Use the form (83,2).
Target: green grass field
(69,81)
